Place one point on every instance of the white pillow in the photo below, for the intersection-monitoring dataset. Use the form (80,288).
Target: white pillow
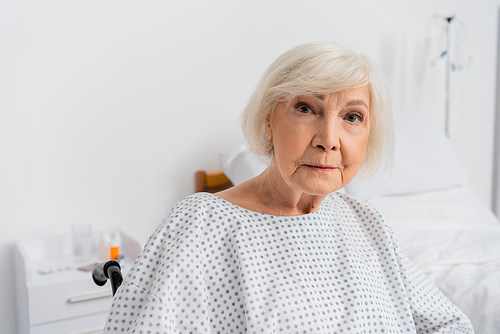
(241,165)
(424,160)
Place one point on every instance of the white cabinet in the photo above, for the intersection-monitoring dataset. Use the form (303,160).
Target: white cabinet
(67,301)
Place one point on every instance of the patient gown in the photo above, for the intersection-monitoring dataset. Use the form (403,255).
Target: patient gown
(214,267)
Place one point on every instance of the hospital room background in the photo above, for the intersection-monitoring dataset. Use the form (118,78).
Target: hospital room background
(108,108)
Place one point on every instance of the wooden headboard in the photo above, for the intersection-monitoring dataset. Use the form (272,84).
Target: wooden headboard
(211,182)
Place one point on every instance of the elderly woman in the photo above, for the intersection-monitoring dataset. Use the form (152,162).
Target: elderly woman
(283,252)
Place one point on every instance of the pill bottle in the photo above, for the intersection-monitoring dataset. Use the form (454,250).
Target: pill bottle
(110,245)
(115,245)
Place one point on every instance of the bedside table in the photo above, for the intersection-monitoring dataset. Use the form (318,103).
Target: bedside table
(64,301)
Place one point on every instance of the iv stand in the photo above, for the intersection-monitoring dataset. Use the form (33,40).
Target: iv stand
(447,103)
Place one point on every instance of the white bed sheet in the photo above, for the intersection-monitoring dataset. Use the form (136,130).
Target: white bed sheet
(454,238)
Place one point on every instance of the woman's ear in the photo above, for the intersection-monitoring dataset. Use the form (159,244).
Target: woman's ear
(269,130)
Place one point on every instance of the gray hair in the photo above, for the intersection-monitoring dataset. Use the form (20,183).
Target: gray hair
(318,69)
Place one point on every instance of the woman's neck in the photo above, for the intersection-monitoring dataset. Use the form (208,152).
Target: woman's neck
(268,193)
(277,194)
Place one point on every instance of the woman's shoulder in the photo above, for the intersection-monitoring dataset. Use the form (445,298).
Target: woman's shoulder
(196,200)
(199,209)
(342,198)
(357,208)
(188,213)
(198,204)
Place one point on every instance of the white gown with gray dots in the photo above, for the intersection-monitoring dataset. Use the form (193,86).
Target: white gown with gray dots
(214,267)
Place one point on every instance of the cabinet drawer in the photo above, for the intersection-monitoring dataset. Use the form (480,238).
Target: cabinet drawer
(49,303)
(92,324)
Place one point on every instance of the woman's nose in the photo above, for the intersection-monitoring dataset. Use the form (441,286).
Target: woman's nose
(327,136)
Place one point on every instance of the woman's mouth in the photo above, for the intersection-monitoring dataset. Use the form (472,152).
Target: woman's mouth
(322,168)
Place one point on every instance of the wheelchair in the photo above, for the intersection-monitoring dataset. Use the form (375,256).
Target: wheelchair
(110,270)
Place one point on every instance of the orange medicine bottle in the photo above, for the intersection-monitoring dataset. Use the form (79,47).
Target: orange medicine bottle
(109,248)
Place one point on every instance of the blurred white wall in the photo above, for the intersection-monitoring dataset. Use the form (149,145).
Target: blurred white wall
(107,108)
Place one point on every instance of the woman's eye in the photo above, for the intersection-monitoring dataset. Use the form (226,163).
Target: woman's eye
(354,118)
(304,108)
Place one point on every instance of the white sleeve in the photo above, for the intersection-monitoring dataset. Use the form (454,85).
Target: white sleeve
(432,311)
(165,290)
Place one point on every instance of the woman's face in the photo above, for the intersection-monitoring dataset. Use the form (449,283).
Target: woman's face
(319,141)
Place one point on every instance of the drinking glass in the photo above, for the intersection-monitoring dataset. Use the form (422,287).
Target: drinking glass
(81,237)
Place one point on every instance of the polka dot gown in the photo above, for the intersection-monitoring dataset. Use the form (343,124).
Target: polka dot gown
(214,267)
